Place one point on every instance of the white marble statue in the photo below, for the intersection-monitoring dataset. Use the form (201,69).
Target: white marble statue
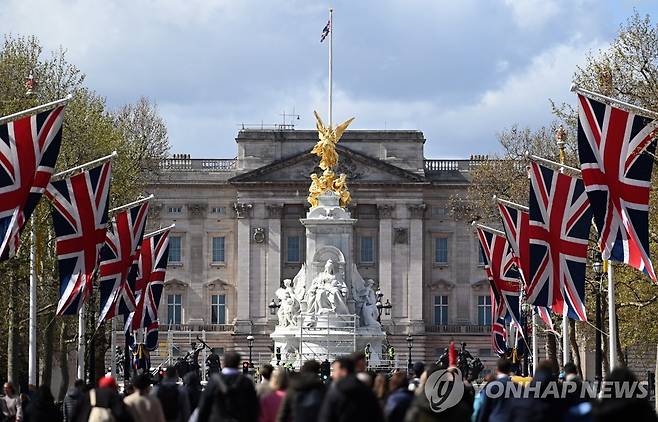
(365,300)
(326,295)
(289,304)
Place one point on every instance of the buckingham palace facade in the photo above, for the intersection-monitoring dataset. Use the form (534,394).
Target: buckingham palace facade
(238,235)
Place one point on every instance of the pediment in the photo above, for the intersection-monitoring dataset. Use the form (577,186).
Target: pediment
(358,167)
(174,282)
(217,284)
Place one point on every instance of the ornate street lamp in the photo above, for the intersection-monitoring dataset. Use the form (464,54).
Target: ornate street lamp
(597,266)
(274,307)
(250,339)
(386,307)
(410,345)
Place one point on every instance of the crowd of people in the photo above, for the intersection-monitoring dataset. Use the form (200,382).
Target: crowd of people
(351,394)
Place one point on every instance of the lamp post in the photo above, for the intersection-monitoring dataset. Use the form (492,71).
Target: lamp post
(597,266)
(250,339)
(274,307)
(386,307)
(410,345)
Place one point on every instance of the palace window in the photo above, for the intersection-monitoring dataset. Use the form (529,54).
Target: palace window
(218,251)
(175,209)
(218,309)
(218,210)
(440,310)
(482,261)
(174,309)
(367,250)
(441,250)
(293,253)
(175,249)
(484,310)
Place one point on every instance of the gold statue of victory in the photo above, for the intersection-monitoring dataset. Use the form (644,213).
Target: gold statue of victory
(326,150)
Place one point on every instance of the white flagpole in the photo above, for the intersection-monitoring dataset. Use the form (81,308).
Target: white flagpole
(35,110)
(113,349)
(159,231)
(612,317)
(32,352)
(535,355)
(331,64)
(132,204)
(488,229)
(82,166)
(81,342)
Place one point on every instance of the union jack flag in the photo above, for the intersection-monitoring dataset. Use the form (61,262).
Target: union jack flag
(151,337)
(152,266)
(79,209)
(516,223)
(502,274)
(498,336)
(121,250)
(560,219)
(617,178)
(325,31)
(29,147)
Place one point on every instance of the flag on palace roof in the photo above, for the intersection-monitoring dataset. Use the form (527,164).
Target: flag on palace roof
(79,210)
(29,147)
(120,252)
(617,176)
(325,31)
(560,219)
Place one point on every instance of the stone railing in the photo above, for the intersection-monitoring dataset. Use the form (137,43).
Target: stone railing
(197,327)
(183,162)
(458,329)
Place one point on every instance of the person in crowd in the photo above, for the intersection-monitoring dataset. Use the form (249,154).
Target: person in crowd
(417,369)
(348,399)
(496,409)
(102,403)
(479,398)
(173,397)
(42,407)
(140,405)
(12,409)
(399,398)
(380,388)
(72,398)
(618,408)
(421,411)
(360,362)
(193,388)
(263,388)
(229,395)
(270,403)
(572,380)
(539,405)
(304,398)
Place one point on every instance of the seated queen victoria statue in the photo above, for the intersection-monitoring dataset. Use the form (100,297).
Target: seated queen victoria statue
(326,294)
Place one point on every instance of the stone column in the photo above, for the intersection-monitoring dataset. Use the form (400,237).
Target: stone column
(385,252)
(415,277)
(243,213)
(273,257)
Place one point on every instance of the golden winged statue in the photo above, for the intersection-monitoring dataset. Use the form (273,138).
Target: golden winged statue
(326,150)
(327,140)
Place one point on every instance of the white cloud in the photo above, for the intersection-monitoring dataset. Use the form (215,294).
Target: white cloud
(533,14)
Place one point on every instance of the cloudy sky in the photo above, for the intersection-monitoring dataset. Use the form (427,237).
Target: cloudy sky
(460,71)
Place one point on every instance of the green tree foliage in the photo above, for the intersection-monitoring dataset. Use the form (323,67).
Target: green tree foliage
(91,130)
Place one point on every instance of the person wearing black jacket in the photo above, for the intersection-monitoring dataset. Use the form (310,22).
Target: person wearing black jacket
(305,395)
(229,396)
(107,396)
(348,399)
(42,407)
